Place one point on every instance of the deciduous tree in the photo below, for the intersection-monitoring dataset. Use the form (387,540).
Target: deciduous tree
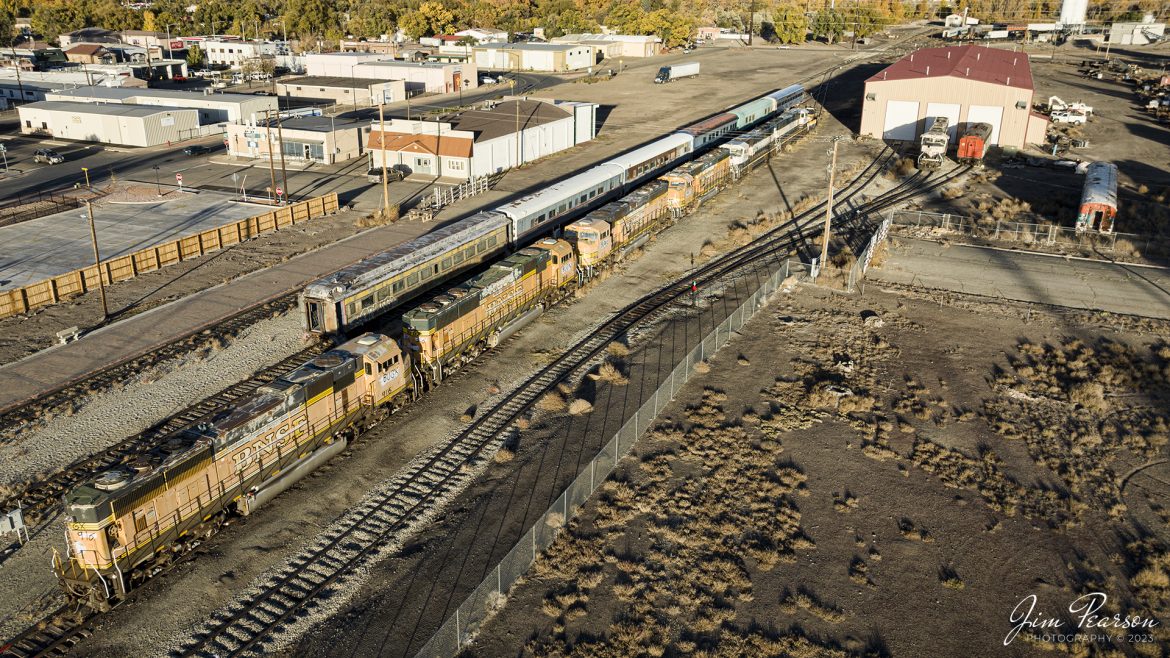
(195,57)
(829,24)
(790,24)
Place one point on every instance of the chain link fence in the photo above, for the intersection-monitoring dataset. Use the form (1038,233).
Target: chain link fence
(461,628)
(861,265)
(1123,244)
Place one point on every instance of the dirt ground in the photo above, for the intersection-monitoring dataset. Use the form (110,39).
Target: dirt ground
(869,476)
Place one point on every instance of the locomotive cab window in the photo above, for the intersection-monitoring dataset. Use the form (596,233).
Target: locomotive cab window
(369,370)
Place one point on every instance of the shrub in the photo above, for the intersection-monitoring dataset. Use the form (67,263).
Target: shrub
(578,407)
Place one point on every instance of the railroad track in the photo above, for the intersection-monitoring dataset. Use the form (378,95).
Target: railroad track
(243,627)
(56,635)
(29,410)
(41,497)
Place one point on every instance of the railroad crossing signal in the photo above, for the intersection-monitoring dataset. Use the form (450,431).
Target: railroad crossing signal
(279,192)
(179,178)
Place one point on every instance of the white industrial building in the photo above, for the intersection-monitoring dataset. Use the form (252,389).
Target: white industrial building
(617,45)
(212,108)
(483,35)
(338,65)
(551,57)
(363,92)
(235,53)
(480,142)
(436,77)
(127,125)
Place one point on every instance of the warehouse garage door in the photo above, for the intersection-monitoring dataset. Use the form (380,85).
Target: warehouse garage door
(991,114)
(901,120)
(948,110)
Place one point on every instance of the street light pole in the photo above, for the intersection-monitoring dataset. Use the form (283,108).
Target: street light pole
(97,261)
(271,166)
(382,143)
(157,185)
(280,141)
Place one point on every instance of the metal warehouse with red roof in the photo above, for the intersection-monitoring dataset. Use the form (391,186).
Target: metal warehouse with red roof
(965,84)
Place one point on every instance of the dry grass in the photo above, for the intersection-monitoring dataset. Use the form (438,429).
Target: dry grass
(552,401)
(685,582)
(503,456)
(702,367)
(579,407)
(618,350)
(611,374)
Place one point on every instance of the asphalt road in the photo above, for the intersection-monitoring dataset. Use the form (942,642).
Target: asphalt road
(1029,277)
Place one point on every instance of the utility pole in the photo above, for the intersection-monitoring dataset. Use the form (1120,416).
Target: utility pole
(97,261)
(751,21)
(280,141)
(19,84)
(829,207)
(271,165)
(382,143)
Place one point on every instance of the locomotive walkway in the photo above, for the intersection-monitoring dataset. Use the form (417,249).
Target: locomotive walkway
(126,340)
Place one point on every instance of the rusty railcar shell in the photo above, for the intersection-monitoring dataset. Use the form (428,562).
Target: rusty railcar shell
(1098,206)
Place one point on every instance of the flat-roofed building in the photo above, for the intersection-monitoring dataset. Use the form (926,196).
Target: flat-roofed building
(317,139)
(212,108)
(364,92)
(126,125)
(550,57)
(480,142)
(617,45)
(435,77)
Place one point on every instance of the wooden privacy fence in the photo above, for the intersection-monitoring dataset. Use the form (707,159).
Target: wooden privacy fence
(121,268)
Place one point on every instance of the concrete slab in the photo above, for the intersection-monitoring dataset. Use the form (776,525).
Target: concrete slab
(140,334)
(49,246)
(1029,277)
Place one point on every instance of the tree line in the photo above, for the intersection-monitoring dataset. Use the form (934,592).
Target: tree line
(675,21)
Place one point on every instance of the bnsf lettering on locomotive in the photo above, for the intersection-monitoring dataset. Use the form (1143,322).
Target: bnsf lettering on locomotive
(270,442)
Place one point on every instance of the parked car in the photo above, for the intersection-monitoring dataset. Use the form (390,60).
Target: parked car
(48,156)
(220,85)
(393,174)
(197,149)
(487,80)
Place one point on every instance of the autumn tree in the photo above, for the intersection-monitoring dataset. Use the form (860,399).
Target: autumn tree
(195,58)
(829,24)
(674,28)
(7,28)
(790,24)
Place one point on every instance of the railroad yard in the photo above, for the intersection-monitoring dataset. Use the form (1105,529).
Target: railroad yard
(963,407)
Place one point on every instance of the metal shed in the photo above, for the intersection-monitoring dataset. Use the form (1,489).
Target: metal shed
(128,125)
